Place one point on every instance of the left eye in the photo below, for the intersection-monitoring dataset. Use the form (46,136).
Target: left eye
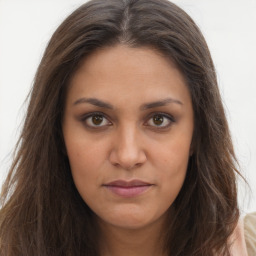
(96,120)
(160,120)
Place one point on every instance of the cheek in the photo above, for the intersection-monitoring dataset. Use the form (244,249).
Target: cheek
(173,153)
(172,159)
(85,153)
(86,160)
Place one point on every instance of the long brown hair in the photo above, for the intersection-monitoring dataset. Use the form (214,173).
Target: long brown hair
(42,212)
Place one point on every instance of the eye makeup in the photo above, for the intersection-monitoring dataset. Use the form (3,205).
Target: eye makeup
(99,120)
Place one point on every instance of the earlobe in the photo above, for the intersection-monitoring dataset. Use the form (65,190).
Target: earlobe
(191,151)
(63,145)
(192,145)
(192,148)
(64,150)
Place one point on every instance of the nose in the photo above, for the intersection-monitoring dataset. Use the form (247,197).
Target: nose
(127,150)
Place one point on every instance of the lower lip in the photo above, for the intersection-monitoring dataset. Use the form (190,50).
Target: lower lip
(128,191)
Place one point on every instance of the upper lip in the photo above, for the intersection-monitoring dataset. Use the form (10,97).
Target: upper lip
(131,183)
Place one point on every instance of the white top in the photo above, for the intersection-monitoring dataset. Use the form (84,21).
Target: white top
(250,233)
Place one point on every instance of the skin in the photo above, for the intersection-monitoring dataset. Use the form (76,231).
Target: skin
(237,240)
(128,142)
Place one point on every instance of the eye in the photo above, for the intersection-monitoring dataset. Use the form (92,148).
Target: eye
(160,120)
(95,120)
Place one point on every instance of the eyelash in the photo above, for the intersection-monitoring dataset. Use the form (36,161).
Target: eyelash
(166,117)
(84,118)
(170,120)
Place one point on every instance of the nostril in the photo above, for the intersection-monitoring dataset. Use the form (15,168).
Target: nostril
(127,152)
(127,162)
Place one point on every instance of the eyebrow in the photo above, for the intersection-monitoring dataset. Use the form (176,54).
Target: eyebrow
(160,103)
(102,104)
(95,102)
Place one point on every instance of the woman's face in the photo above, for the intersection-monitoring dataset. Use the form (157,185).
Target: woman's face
(128,126)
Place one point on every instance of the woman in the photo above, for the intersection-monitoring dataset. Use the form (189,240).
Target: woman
(125,149)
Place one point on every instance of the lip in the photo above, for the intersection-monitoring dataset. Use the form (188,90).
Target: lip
(128,188)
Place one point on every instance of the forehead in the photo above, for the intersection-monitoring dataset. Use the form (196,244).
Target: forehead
(125,73)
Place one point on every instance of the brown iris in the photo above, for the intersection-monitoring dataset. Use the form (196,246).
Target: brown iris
(158,120)
(97,119)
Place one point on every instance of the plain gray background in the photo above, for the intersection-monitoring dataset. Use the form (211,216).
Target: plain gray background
(229,27)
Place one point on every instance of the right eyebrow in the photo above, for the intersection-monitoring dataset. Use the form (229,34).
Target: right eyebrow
(95,102)
(160,103)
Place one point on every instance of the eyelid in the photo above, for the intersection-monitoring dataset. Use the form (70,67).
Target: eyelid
(165,115)
(86,116)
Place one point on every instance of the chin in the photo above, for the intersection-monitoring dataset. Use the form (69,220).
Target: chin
(129,218)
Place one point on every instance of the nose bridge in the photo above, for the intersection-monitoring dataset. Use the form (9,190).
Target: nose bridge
(127,150)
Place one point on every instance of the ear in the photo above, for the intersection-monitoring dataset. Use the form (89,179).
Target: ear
(192,146)
(64,150)
(191,151)
(63,144)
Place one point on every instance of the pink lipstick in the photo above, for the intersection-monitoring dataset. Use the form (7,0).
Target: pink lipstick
(128,188)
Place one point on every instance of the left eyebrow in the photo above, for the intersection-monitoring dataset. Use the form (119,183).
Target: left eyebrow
(160,103)
(95,102)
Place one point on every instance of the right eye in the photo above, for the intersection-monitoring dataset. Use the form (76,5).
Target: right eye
(96,120)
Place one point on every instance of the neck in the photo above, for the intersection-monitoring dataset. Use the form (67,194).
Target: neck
(146,241)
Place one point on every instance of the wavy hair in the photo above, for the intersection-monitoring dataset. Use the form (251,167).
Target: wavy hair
(42,212)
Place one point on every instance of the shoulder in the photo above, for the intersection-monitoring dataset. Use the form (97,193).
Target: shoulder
(237,240)
(250,233)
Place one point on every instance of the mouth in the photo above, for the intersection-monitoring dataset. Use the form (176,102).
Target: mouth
(128,188)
